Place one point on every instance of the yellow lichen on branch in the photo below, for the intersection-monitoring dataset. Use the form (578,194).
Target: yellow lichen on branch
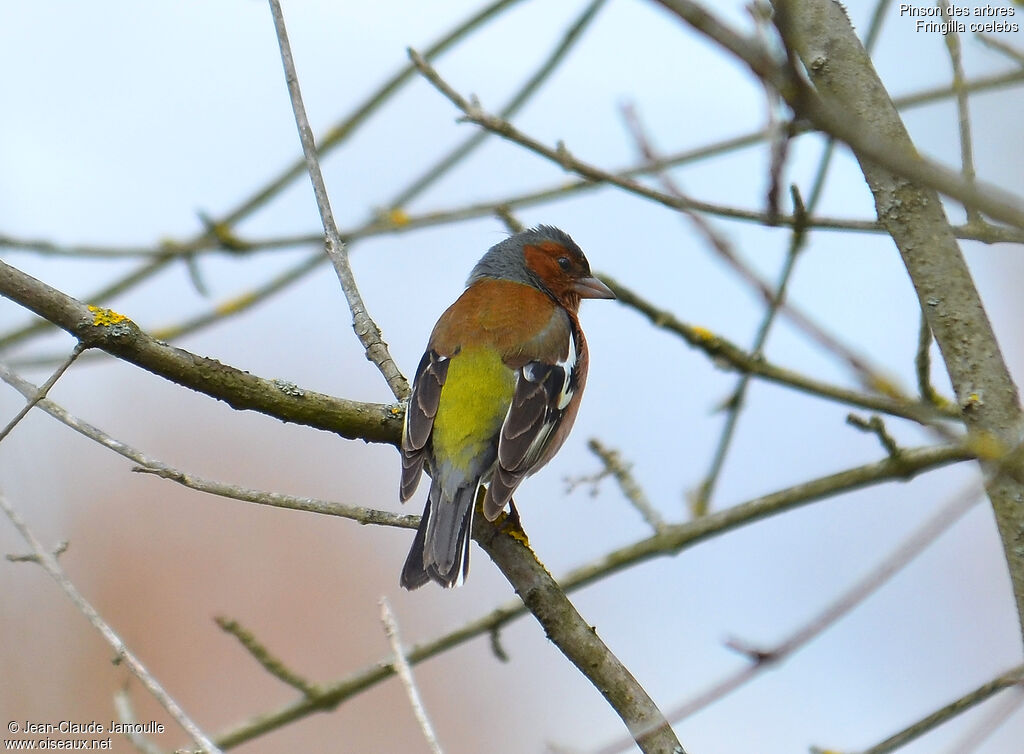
(106,317)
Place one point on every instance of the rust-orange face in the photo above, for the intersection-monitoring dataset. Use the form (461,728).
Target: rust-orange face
(565,273)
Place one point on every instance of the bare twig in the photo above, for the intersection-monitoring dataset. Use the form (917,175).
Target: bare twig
(49,564)
(31,557)
(762,659)
(999,713)
(366,329)
(945,714)
(842,122)
(725,353)
(443,165)
(264,657)
(994,43)
(913,214)
(43,390)
(126,714)
(876,426)
(623,474)
(952,40)
(404,672)
(923,365)
(150,465)
(673,539)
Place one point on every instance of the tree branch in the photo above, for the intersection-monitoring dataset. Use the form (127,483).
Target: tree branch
(366,329)
(49,563)
(149,465)
(120,337)
(670,541)
(763,659)
(842,71)
(401,665)
(724,352)
(1006,680)
(576,638)
(846,123)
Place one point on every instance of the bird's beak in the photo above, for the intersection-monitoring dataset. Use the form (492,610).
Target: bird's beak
(591,287)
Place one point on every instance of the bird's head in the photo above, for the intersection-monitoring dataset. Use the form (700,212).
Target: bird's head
(546,258)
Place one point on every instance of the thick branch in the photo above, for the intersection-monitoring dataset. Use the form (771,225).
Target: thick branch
(671,540)
(841,70)
(120,337)
(847,123)
(576,638)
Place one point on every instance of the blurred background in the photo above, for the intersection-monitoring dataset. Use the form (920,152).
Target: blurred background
(124,124)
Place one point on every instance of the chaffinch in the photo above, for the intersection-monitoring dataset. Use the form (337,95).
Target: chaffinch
(496,393)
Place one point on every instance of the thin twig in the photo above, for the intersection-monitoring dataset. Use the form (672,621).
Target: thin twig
(442,166)
(404,672)
(844,121)
(994,43)
(512,224)
(623,474)
(999,713)
(762,659)
(952,40)
(217,229)
(49,564)
(126,714)
(149,465)
(672,540)
(264,657)
(366,329)
(876,426)
(726,353)
(43,390)
(31,557)
(923,365)
(945,714)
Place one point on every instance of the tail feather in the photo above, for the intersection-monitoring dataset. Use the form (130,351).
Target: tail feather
(414,574)
(440,550)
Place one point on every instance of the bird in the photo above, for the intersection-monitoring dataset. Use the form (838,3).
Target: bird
(496,392)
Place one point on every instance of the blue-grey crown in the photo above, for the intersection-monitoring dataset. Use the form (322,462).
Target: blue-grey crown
(504,260)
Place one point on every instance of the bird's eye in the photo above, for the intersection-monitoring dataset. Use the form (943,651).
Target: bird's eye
(564,263)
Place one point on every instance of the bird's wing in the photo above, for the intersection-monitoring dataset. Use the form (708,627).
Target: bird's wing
(536,417)
(419,417)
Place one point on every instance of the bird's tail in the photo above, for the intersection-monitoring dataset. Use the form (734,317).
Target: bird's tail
(440,550)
